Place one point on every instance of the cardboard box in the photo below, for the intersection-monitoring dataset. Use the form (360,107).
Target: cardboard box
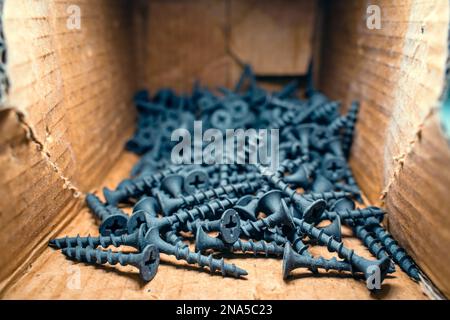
(67,113)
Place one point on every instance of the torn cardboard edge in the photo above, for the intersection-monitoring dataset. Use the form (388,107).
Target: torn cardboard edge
(400,159)
(21,115)
(41,147)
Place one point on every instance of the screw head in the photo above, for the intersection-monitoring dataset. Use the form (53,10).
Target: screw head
(321,184)
(300,177)
(110,196)
(318,137)
(173,184)
(168,205)
(238,108)
(270,202)
(136,220)
(115,224)
(343,204)
(334,229)
(288,260)
(334,168)
(221,119)
(335,146)
(148,204)
(148,266)
(312,210)
(194,180)
(287,220)
(246,207)
(230,226)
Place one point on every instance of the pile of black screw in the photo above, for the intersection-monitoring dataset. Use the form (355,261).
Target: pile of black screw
(251,207)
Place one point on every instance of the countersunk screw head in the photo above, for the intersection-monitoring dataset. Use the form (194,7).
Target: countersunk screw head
(230,226)
(318,137)
(246,207)
(343,204)
(334,168)
(334,229)
(136,220)
(270,202)
(301,177)
(115,224)
(311,210)
(273,204)
(148,266)
(148,204)
(322,184)
(173,185)
(194,180)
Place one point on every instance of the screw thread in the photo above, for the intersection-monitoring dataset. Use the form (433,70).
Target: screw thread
(347,138)
(256,247)
(284,120)
(296,241)
(324,111)
(208,261)
(331,195)
(138,186)
(398,254)
(207,225)
(356,214)
(93,242)
(251,227)
(250,176)
(331,244)
(97,207)
(97,256)
(277,181)
(352,189)
(288,165)
(322,263)
(270,236)
(201,196)
(223,175)
(372,244)
(173,238)
(307,113)
(254,227)
(337,125)
(203,212)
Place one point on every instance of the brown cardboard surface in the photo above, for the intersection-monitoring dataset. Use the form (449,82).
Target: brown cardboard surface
(69,115)
(180,41)
(184,41)
(397,73)
(282,30)
(52,276)
(419,204)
